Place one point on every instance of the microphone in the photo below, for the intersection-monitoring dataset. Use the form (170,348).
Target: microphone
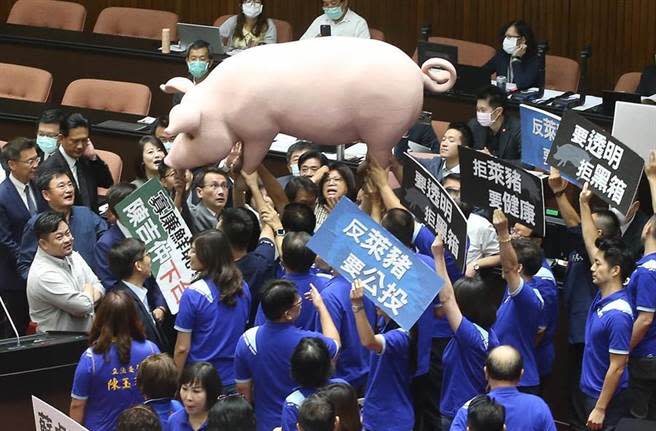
(425,32)
(586,53)
(11,321)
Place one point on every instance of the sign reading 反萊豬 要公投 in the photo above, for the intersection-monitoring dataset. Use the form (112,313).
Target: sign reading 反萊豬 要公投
(394,279)
(538,133)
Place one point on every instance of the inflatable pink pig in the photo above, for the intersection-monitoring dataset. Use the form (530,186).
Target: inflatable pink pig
(329,90)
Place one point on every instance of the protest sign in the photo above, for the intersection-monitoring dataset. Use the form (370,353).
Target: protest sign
(425,197)
(538,133)
(587,153)
(149,215)
(633,124)
(394,279)
(48,418)
(489,182)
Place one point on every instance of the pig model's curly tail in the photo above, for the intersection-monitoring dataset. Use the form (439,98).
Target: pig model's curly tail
(439,75)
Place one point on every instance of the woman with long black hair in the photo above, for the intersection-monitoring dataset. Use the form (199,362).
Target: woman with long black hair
(249,28)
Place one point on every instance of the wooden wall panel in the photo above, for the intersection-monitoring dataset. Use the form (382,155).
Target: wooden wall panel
(622,32)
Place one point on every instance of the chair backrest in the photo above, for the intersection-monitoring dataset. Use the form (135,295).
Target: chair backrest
(628,82)
(440,127)
(283,28)
(116,96)
(134,22)
(376,34)
(23,82)
(115,165)
(561,73)
(48,13)
(469,53)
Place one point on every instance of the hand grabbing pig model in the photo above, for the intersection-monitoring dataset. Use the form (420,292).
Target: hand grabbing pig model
(330,90)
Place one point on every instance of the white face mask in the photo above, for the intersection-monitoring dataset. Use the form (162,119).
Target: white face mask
(252,10)
(485,118)
(296,171)
(510,44)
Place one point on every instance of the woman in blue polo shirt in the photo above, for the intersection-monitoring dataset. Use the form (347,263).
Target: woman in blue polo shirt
(105,379)
(200,387)
(471,315)
(214,309)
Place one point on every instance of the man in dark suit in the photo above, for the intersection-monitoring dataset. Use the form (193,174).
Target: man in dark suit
(77,155)
(130,264)
(495,131)
(19,200)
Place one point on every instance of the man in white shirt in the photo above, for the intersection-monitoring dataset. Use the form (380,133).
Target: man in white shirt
(342,21)
(61,288)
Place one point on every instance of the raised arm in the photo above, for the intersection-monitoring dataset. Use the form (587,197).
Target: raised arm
(509,262)
(273,188)
(558,186)
(328,327)
(587,224)
(378,177)
(367,337)
(446,295)
(650,172)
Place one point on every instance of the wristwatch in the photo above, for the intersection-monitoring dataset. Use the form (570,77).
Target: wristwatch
(477,267)
(357,308)
(280,232)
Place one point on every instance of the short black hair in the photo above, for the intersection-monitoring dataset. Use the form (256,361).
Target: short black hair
(138,418)
(51,116)
(616,254)
(73,121)
(346,173)
(485,414)
(525,31)
(238,226)
(162,121)
(296,184)
(278,296)
(529,255)
(199,179)
(400,223)
(46,176)
(315,154)
(47,222)
(206,375)
(608,223)
(467,139)
(311,363)
(317,413)
(231,413)
(157,376)
(495,96)
(199,44)
(123,255)
(297,217)
(296,255)
(13,148)
(139,166)
(507,368)
(117,193)
(472,296)
(299,146)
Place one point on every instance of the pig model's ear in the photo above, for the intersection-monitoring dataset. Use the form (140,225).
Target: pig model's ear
(184,118)
(177,85)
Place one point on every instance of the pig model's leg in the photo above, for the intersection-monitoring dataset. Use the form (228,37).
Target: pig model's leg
(380,140)
(254,152)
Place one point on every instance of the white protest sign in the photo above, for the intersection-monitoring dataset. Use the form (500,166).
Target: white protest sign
(48,418)
(633,124)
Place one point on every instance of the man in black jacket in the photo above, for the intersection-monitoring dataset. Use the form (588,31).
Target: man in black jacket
(77,155)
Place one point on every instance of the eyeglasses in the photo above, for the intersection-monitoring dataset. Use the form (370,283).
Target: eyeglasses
(48,135)
(32,162)
(214,186)
(335,180)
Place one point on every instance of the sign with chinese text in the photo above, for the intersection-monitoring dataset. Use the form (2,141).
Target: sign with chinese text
(538,133)
(394,279)
(425,197)
(489,182)
(149,215)
(587,153)
(48,418)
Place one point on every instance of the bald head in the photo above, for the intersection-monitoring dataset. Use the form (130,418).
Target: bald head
(504,363)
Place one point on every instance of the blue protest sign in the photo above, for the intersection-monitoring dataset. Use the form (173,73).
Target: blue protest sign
(538,133)
(393,277)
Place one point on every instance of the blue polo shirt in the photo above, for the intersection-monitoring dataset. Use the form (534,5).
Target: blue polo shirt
(524,412)
(179,421)
(164,408)
(107,385)
(518,319)
(463,361)
(545,283)
(215,327)
(353,363)
(579,290)
(309,318)
(257,267)
(423,242)
(289,415)
(608,330)
(263,357)
(642,291)
(388,403)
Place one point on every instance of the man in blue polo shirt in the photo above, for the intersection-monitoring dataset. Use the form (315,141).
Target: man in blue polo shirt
(520,313)
(263,354)
(608,327)
(526,412)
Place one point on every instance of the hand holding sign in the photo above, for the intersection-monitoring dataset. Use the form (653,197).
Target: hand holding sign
(650,166)
(357,293)
(438,246)
(500,222)
(586,195)
(557,183)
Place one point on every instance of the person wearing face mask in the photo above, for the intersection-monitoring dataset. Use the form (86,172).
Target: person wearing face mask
(199,62)
(48,132)
(517,60)
(341,19)
(249,28)
(495,132)
(159,131)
